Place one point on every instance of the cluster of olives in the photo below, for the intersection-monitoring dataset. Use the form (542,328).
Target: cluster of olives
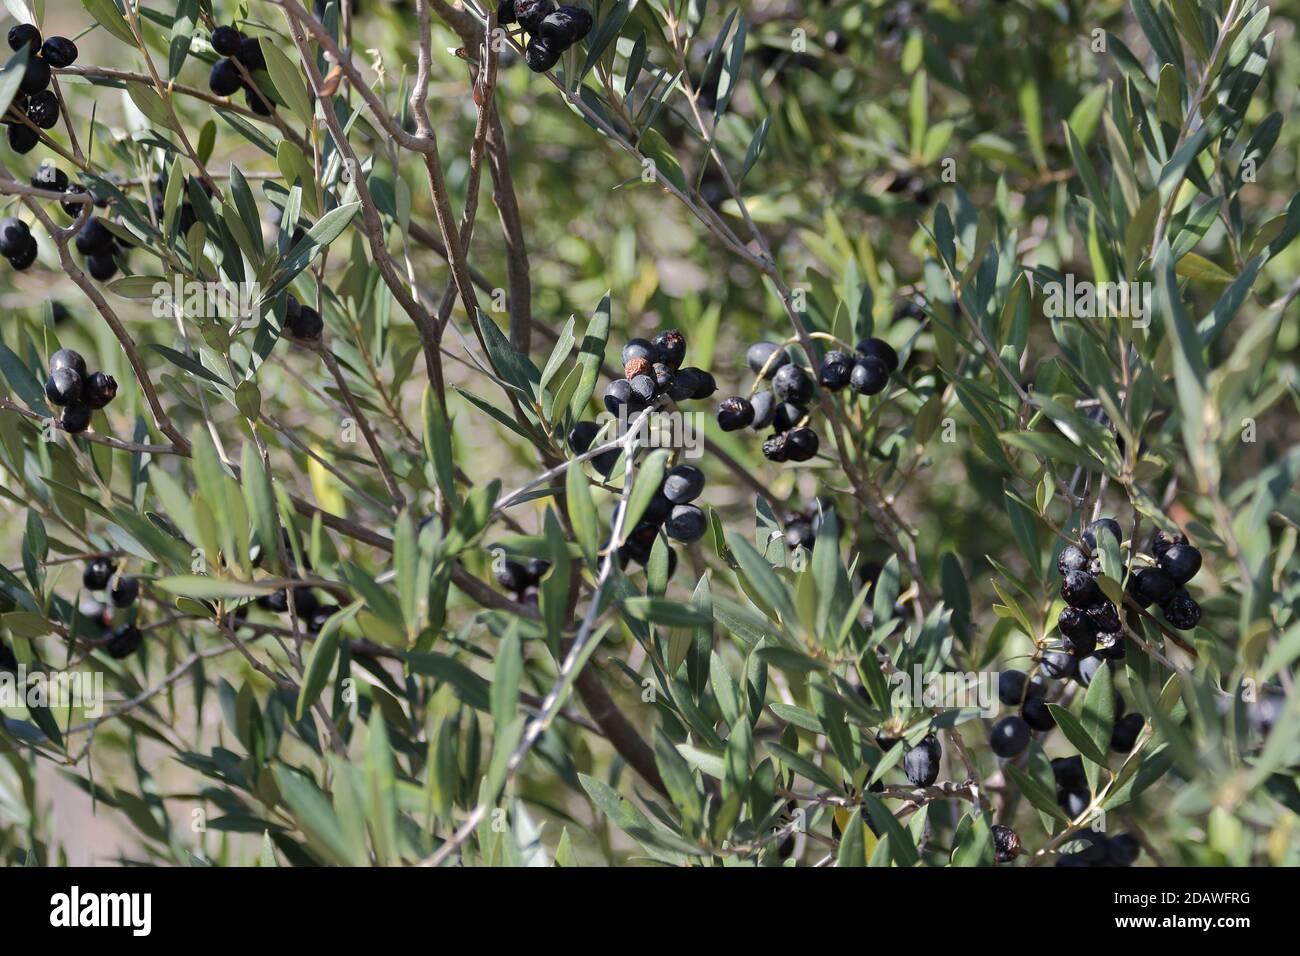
(35,101)
(226,79)
(1164,583)
(77,393)
(784,407)
(551,29)
(119,642)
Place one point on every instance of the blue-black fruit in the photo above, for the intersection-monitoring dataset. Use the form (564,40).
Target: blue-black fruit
(123,642)
(766,358)
(792,384)
(541,55)
(881,350)
(125,590)
(1058,665)
(43,109)
(788,415)
(687,523)
(1080,589)
(1006,843)
(1074,623)
(63,387)
(566,26)
(801,444)
(1180,610)
(1150,586)
(102,266)
(1037,714)
(581,436)
(14,235)
(96,575)
(764,404)
(250,54)
(869,376)
(226,40)
(1110,524)
(1070,559)
(224,78)
(36,77)
(68,358)
(511,575)
(1163,541)
(24,33)
(94,237)
(1123,849)
(21,137)
(1009,737)
(670,345)
(835,369)
(59,52)
(50,177)
(774,447)
(1104,617)
(1181,562)
(1125,733)
(921,763)
(1014,686)
(683,484)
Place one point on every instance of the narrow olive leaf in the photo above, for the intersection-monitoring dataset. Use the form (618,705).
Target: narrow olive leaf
(559,354)
(582,514)
(802,766)
(315,816)
(107,15)
(324,652)
(680,781)
(755,149)
(260,500)
(381,791)
(590,356)
(730,77)
(604,34)
(182,31)
(187,363)
(1078,735)
(22,381)
(288,80)
(759,575)
(326,230)
(853,848)
(901,844)
(665,612)
(646,484)
(506,677)
(406,565)
(1036,793)
(554,597)
(468,686)
(11,76)
(1098,718)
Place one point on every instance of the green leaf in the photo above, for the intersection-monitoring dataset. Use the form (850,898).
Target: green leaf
(288,81)
(590,356)
(1078,735)
(324,652)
